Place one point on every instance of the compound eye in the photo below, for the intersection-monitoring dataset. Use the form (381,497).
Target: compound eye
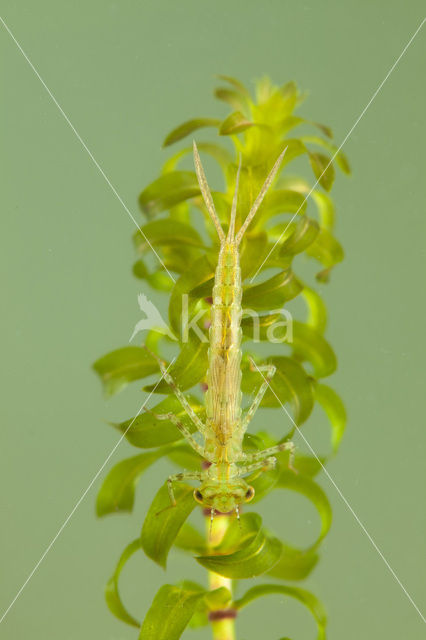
(198,496)
(249,494)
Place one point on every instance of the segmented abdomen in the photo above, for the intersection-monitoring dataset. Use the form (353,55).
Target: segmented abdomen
(223,397)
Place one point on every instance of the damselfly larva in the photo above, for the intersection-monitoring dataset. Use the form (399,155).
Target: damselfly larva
(223,487)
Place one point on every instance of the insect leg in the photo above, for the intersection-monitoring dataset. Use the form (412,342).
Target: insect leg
(178,477)
(271,451)
(270,372)
(182,428)
(178,393)
(262,465)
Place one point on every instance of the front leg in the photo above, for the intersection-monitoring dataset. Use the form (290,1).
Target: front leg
(179,477)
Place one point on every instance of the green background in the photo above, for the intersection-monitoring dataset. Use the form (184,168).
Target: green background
(125,73)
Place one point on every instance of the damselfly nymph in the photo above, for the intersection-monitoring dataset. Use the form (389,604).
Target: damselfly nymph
(223,487)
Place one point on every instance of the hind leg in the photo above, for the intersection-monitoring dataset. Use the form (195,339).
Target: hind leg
(270,372)
(178,393)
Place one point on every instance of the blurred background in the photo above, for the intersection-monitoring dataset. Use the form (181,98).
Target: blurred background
(125,73)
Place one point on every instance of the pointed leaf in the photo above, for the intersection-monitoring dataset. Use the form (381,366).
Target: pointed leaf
(338,156)
(326,209)
(140,270)
(326,249)
(233,98)
(317,312)
(309,345)
(189,367)
(201,271)
(313,492)
(146,431)
(272,293)
(185,457)
(323,169)
(335,410)
(239,534)
(219,153)
(165,233)
(190,539)
(294,564)
(170,613)
(117,492)
(119,367)
(112,595)
(236,84)
(168,190)
(283,201)
(255,556)
(188,127)
(303,235)
(303,596)
(163,521)
(234,123)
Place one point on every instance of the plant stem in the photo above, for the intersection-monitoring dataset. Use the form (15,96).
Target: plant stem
(222,620)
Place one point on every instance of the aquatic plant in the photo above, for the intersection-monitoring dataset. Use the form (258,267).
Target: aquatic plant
(177,251)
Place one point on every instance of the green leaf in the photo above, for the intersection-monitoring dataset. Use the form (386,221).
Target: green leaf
(283,201)
(317,312)
(201,271)
(294,564)
(170,613)
(163,521)
(216,151)
(326,249)
(160,281)
(235,123)
(146,431)
(190,539)
(252,253)
(338,156)
(140,270)
(166,233)
(311,346)
(188,127)
(303,596)
(168,190)
(233,98)
(185,457)
(290,383)
(112,594)
(323,169)
(264,483)
(313,492)
(326,209)
(253,558)
(238,534)
(189,367)
(272,293)
(335,411)
(117,492)
(236,84)
(117,368)
(304,234)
